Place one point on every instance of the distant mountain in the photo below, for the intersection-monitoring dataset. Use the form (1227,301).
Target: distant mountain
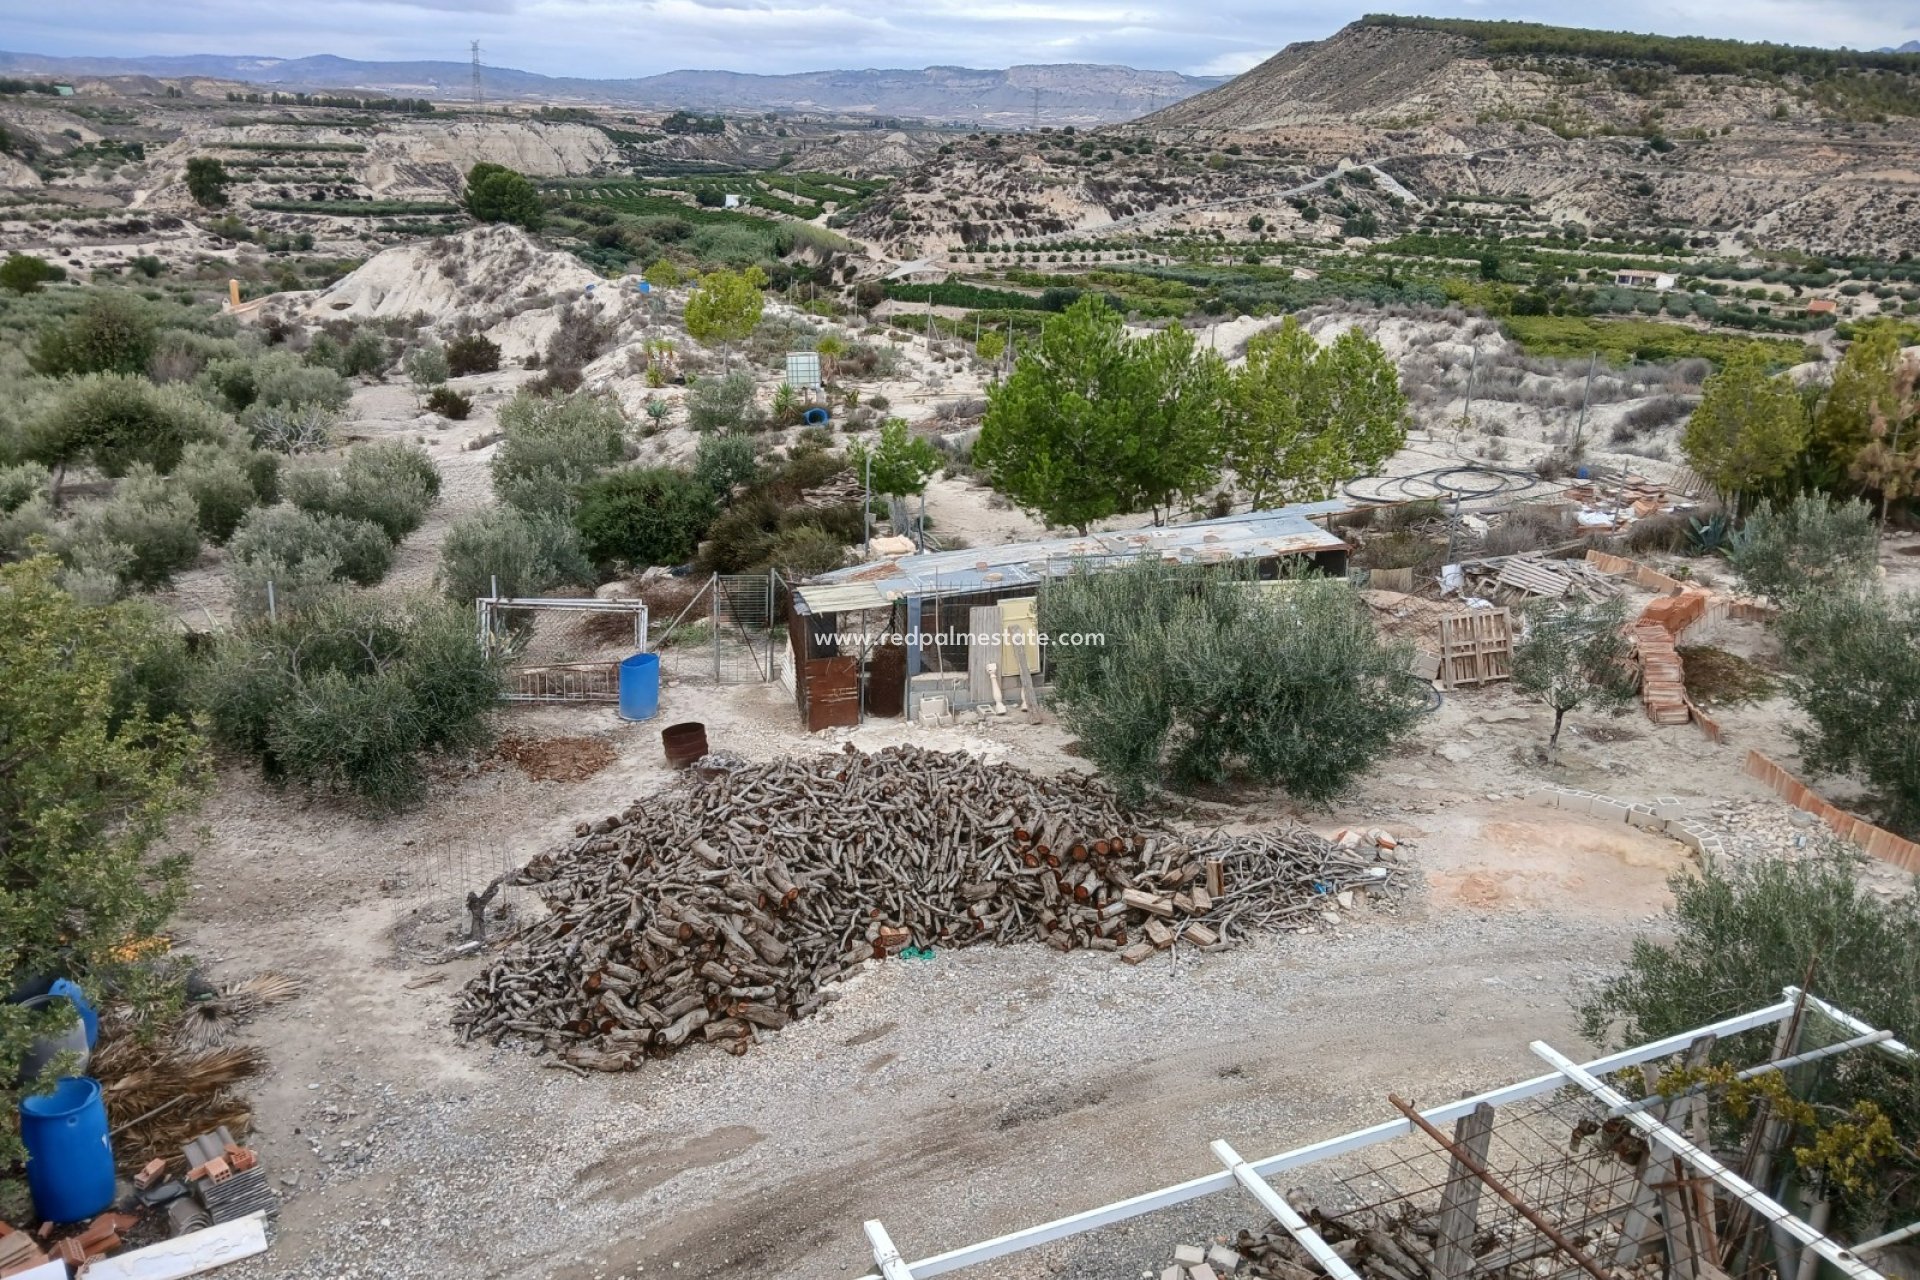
(1911,46)
(1060,93)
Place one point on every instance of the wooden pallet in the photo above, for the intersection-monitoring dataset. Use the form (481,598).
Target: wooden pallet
(1476,647)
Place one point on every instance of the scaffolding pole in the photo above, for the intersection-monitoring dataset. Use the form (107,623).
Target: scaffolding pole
(1283,1213)
(885,1256)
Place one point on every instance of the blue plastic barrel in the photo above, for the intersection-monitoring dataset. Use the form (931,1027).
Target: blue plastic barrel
(640,687)
(88,1018)
(69,1157)
(818,417)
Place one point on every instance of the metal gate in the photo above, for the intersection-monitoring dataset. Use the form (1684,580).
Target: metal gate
(560,650)
(727,633)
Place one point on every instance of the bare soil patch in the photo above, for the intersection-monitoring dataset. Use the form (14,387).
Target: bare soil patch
(556,759)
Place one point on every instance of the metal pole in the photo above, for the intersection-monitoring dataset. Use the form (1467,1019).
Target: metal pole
(1586,395)
(866,510)
(1473,362)
(273,611)
(885,1256)
(1285,1214)
(1477,1169)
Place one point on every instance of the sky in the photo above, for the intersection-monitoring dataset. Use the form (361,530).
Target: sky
(605,38)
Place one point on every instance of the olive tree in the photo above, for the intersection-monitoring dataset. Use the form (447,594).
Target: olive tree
(1574,654)
(94,769)
(1198,677)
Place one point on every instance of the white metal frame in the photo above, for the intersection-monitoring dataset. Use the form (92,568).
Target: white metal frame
(1251,1175)
(580,681)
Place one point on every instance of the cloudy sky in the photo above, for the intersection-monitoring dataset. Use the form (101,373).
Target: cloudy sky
(639,37)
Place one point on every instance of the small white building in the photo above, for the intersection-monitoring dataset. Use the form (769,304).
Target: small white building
(1634,278)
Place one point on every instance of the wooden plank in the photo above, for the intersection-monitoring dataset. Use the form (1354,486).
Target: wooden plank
(982,620)
(193,1254)
(1460,1200)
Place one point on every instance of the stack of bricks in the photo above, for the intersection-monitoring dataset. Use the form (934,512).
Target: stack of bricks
(1676,612)
(1191,1262)
(101,1237)
(18,1252)
(1663,688)
(227,1178)
(1878,841)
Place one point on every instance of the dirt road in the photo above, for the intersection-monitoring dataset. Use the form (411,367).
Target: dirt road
(957,1098)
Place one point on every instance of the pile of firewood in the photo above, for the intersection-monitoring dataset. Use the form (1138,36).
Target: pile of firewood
(735,901)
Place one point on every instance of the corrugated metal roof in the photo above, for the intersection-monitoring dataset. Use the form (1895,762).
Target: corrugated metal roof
(1258,535)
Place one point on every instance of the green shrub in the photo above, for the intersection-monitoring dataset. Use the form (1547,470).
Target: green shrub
(549,448)
(642,517)
(148,529)
(804,551)
(25,273)
(114,421)
(21,484)
(19,527)
(287,537)
(1853,654)
(354,694)
(1813,545)
(721,404)
(525,555)
(726,461)
(274,378)
(448,403)
(474,353)
(367,354)
(224,486)
(113,333)
(1738,932)
(1204,677)
(426,366)
(389,485)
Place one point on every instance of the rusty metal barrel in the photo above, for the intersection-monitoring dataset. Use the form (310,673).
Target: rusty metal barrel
(684,742)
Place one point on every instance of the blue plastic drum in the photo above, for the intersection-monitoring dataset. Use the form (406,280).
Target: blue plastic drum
(640,687)
(69,1157)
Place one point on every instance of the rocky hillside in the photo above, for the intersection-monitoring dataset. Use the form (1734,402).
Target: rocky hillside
(1808,149)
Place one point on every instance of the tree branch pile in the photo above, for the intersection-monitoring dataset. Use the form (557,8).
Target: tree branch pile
(733,903)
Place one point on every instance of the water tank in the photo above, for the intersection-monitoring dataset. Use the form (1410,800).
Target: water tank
(640,686)
(69,1158)
(818,417)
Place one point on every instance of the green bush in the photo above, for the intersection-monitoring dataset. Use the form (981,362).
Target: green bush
(1736,934)
(225,485)
(21,484)
(390,485)
(426,366)
(804,551)
(726,461)
(721,404)
(149,517)
(113,333)
(114,421)
(274,378)
(496,193)
(1815,544)
(1205,677)
(1853,656)
(25,273)
(549,448)
(448,403)
(286,536)
(642,517)
(525,555)
(354,695)
(290,428)
(474,353)
(366,353)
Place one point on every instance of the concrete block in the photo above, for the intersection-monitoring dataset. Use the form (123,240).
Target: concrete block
(1189,1255)
(1603,807)
(1223,1259)
(1547,797)
(1686,833)
(1643,816)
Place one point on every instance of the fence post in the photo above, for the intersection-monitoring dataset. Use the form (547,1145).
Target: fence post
(273,608)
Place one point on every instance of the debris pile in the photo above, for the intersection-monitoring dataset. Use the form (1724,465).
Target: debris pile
(1377,1246)
(733,903)
(1202,1262)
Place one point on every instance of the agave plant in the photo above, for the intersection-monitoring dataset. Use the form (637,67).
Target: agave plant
(1709,537)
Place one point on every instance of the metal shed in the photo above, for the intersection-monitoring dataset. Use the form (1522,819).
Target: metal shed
(841,621)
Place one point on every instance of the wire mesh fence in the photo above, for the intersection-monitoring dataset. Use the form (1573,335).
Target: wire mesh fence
(563,650)
(726,632)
